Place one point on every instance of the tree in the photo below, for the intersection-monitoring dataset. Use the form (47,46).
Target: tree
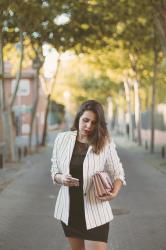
(96,27)
(49,96)
(138,33)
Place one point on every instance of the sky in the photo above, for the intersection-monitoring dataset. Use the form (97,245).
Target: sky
(51,56)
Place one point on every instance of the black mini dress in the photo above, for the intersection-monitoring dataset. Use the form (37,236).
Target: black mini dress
(77,227)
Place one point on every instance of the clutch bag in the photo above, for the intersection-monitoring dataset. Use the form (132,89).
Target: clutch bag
(102,183)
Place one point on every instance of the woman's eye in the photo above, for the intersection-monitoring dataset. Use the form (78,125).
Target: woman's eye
(85,120)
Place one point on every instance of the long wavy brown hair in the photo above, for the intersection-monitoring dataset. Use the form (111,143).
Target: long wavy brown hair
(100,135)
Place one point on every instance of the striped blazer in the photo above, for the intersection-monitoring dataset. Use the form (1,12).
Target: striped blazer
(96,212)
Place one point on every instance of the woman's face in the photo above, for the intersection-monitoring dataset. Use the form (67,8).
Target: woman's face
(87,123)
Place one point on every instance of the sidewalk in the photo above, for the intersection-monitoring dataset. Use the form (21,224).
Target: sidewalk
(154,160)
(11,171)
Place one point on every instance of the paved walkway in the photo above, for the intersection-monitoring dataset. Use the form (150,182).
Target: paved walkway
(143,226)
(27,205)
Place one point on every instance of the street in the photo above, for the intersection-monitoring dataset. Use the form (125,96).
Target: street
(27,207)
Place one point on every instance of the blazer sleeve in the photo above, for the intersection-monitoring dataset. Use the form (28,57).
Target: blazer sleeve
(55,162)
(113,163)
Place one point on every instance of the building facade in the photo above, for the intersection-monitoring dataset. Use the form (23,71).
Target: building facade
(25,98)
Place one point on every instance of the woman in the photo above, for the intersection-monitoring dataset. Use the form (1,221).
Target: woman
(77,155)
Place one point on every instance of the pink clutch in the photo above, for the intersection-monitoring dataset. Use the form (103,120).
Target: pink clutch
(102,183)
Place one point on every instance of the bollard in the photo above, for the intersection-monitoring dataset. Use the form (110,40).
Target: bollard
(25,151)
(146,145)
(163,151)
(19,153)
(1,160)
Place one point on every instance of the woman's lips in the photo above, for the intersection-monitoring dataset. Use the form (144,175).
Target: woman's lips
(87,131)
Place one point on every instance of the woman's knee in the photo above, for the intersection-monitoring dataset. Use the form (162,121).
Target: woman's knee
(95,245)
(76,244)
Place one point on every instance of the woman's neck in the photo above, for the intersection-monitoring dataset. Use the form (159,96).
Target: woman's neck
(82,138)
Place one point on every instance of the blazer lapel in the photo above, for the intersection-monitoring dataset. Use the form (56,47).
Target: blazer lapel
(71,144)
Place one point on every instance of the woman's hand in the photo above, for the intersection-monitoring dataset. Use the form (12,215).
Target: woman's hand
(108,197)
(67,180)
(114,193)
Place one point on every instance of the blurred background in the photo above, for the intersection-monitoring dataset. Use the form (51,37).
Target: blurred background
(56,54)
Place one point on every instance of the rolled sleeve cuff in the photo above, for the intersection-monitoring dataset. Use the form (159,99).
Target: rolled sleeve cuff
(53,178)
(120,178)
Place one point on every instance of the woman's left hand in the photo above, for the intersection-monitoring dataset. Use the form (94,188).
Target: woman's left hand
(109,197)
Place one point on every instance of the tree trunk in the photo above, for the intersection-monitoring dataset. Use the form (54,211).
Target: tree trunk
(129,113)
(137,111)
(48,102)
(5,112)
(147,99)
(43,142)
(133,60)
(19,72)
(12,153)
(161,32)
(34,108)
(153,102)
(2,91)
(9,134)
(37,64)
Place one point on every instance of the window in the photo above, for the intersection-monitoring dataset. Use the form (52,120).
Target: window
(24,87)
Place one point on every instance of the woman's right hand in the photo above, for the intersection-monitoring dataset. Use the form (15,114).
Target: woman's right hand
(67,180)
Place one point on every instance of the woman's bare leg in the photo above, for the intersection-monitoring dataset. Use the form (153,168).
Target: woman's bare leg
(76,244)
(95,245)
